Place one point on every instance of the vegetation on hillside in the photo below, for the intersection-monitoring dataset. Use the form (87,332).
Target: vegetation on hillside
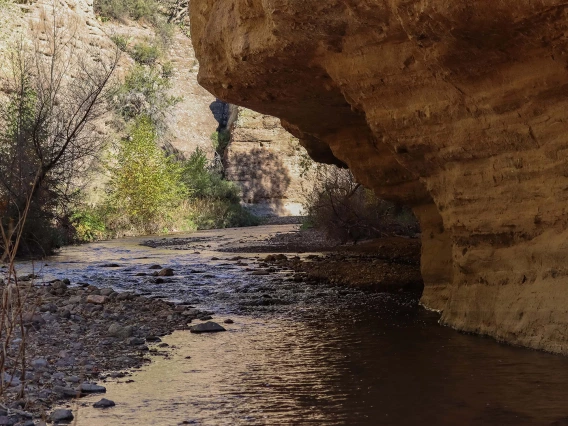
(51,143)
(48,137)
(149,191)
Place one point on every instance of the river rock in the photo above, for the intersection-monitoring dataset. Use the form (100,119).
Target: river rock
(135,341)
(228,321)
(48,307)
(61,415)
(91,388)
(97,299)
(124,296)
(166,272)
(65,391)
(73,300)
(39,363)
(8,421)
(104,403)
(106,291)
(117,330)
(59,285)
(33,318)
(155,267)
(206,327)
(13,380)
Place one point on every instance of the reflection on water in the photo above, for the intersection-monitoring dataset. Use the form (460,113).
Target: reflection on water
(327,357)
(344,368)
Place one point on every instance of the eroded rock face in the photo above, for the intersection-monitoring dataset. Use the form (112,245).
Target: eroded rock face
(457,108)
(265,161)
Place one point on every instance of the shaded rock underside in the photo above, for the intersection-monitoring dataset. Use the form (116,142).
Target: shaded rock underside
(456,108)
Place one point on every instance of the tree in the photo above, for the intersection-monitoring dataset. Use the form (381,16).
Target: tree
(145,183)
(57,94)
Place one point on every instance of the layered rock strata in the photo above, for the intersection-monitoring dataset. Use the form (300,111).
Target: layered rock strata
(456,108)
(265,161)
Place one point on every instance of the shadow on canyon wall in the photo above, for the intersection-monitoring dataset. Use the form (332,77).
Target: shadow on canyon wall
(261,174)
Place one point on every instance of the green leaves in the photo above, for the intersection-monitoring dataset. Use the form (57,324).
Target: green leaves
(144,93)
(145,184)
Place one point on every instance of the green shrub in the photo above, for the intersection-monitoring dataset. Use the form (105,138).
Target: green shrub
(215,202)
(167,70)
(220,141)
(120,41)
(89,225)
(204,181)
(145,53)
(145,186)
(144,93)
(121,9)
(211,213)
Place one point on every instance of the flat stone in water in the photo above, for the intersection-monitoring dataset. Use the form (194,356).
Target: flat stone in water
(166,272)
(206,327)
(104,403)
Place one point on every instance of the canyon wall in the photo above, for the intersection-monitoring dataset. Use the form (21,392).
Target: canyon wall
(190,124)
(456,108)
(265,161)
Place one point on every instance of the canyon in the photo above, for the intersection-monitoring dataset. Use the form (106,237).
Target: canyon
(456,109)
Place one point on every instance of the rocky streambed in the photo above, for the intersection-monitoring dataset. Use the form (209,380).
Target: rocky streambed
(305,340)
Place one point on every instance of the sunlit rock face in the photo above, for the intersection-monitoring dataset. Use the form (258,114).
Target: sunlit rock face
(457,108)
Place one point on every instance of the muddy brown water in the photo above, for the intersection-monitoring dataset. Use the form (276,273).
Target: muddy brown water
(317,355)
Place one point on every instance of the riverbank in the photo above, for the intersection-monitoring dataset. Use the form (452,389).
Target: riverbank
(299,348)
(77,336)
(83,333)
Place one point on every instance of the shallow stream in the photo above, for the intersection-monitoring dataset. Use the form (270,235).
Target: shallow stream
(313,355)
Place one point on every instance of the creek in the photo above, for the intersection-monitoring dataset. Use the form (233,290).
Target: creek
(314,354)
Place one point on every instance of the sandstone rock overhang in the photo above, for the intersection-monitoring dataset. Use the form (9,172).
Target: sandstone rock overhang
(456,108)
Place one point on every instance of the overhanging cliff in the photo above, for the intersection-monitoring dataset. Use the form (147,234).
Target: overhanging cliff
(456,108)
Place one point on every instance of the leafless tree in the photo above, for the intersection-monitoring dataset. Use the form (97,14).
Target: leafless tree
(57,97)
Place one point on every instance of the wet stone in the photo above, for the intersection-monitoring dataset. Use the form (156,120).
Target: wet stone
(166,272)
(91,388)
(39,363)
(8,421)
(116,330)
(61,415)
(74,300)
(104,403)
(135,341)
(206,327)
